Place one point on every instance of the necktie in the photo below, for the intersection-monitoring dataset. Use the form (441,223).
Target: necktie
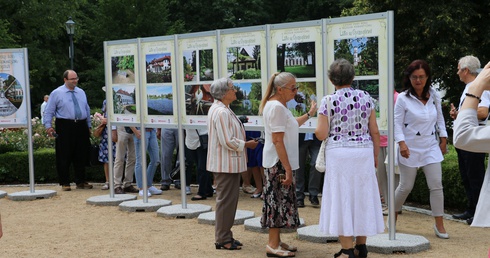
(78,112)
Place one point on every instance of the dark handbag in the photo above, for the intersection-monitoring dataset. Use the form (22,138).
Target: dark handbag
(203,139)
(94,155)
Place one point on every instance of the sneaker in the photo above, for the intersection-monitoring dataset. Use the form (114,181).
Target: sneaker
(141,193)
(84,186)
(66,188)
(188,190)
(130,189)
(164,187)
(105,186)
(154,191)
(119,190)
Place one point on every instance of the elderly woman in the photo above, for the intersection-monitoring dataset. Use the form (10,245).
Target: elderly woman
(280,159)
(226,139)
(469,136)
(418,119)
(350,203)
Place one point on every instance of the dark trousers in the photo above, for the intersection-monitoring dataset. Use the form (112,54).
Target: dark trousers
(306,148)
(72,146)
(472,170)
(204,177)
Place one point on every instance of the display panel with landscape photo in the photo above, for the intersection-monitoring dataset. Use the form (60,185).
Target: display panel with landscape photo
(372,87)
(361,52)
(248,97)
(158,68)
(198,65)
(243,62)
(122,69)
(124,99)
(301,102)
(297,58)
(160,100)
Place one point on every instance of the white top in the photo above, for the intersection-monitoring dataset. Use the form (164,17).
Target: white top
(277,118)
(485,101)
(43,107)
(471,137)
(415,123)
(192,138)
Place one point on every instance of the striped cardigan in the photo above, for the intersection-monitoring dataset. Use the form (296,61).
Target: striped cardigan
(226,141)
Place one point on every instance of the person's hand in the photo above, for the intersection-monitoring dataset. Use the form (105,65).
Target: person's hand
(137,133)
(483,77)
(453,113)
(404,151)
(51,132)
(443,146)
(103,121)
(251,144)
(313,108)
(114,135)
(288,180)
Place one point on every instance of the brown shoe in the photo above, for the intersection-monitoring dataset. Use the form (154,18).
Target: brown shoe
(84,186)
(66,188)
(119,190)
(130,189)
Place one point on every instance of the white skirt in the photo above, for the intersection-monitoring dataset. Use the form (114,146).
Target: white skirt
(351,204)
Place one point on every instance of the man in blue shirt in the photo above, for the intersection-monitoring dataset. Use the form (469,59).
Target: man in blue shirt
(68,104)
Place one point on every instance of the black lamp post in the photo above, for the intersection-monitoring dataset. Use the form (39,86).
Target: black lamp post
(70,30)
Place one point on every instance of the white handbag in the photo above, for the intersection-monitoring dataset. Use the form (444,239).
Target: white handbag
(320,164)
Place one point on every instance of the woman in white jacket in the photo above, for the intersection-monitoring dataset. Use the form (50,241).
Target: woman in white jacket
(471,137)
(418,120)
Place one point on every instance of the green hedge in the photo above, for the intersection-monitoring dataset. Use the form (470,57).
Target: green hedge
(14,168)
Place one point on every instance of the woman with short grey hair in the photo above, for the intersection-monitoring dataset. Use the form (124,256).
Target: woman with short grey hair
(226,139)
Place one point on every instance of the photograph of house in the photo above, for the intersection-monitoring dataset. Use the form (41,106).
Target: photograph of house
(124,99)
(243,62)
(297,58)
(158,68)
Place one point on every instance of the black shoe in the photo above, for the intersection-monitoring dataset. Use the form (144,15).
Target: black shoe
(165,187)
(349,252)
(130,189)
(301,204)
(119,190)
(464,216)
(314,200)
(469,221)
(361,251)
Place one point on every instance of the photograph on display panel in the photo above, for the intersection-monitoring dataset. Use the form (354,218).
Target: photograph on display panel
(361,52)
(243,62)
(11,94)
(122,69)
(198,65)
(371,87)
(301,102)
(159,68)
(198,99)
(248,97)
(124,99)
(160,100)
(297,58)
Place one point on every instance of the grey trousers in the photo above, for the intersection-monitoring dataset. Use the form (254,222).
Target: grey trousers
(227,192)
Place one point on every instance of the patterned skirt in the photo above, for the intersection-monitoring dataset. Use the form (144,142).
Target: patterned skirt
(280,209)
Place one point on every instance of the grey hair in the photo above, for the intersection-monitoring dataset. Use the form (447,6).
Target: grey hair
(470,62)
(220,87)
(341,72)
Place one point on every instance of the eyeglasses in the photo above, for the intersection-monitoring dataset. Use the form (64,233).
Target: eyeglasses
(295,88)
(73,79)
(415,78)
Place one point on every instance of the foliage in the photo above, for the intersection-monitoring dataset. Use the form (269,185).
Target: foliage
(247,74)
(125,62)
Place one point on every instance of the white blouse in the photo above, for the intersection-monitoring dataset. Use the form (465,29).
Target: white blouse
(415,123)
(277,118)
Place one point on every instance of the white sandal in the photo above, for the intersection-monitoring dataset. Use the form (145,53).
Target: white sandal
(287,247)
(278,252)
